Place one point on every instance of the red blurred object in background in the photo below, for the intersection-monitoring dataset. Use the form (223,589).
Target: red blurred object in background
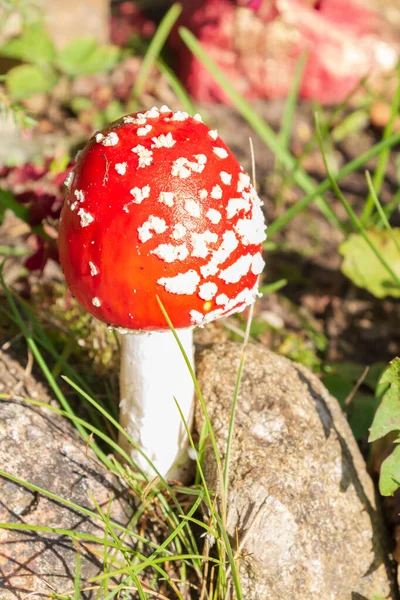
(258,44)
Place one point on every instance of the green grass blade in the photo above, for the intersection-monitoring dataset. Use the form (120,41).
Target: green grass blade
(383,159)
(260,127)
(153,52)
(177,87)
(77,576)
(380,210)
(270,288)
(291,103)
(323,187)
(352,216)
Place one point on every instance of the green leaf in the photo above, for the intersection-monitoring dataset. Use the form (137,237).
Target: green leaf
(25,80)
(34,46)
(361,413)
(387,417)
(363,267)
(7,201)
(83,56)
(389,479)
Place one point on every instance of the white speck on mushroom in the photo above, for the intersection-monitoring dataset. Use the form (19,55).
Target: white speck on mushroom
(86,218)
(145,156)
(99,137)
(170,253)
(213,215)
(192,207)
(166,198)
(182,167)
(252,231)
(128,120)
(237,204)
(96,302)
(200,241)
(201,159)
(183,283)
(139,194)
(110,140)
(121,168)
(222,299)
(79,195)
(216,192)
(144,130)
(165,109)
(203,194)
(69,179)
(226,178)
(213,133)
(198,117)
(237,270)
(220,152)
(178,232)
(219,256)
(257,264)
(208,290)
(93,269)
(243,182)
(152,113)
(180,116)
(196,317)
(152,224)
(74,205)
(163,141)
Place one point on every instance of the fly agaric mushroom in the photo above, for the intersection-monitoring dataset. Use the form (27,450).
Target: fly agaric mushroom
(159,206)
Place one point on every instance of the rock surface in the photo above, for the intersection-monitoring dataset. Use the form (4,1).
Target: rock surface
(300,496)
(43,449)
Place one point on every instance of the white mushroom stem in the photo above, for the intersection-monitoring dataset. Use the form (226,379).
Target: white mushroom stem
(153,373)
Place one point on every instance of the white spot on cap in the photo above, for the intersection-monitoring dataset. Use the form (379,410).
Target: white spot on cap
(139,194)
(192,207)
(214,216)
(216,192)
(226,178)
(200,241)
(183,167)
(208,290)
(170,253)
(196,317)
(144,130)
(163,141)
(93,269)
(243,182)
(86,218)
(198,117)
(99,137)
(153,113)
(203,194)
(221,299)
(237,204)
(96,302)
(180,116)
(128,120)
(110,140)
(121,168)
(165,109)
(183,283)
(74,206)
(178,232)
(166,198)
(145,156)
(220,152)
(219,256)
(69,179)
(79,195)
(152,224)
(257,264)
(213,133)
(239,269)
(252,231)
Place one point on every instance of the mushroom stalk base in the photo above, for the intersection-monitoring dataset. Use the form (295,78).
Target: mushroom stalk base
(153,372)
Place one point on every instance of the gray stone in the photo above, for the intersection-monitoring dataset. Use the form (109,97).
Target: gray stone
(42,448)
(299,494)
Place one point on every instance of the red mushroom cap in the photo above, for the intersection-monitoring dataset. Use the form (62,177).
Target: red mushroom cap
(158,205)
